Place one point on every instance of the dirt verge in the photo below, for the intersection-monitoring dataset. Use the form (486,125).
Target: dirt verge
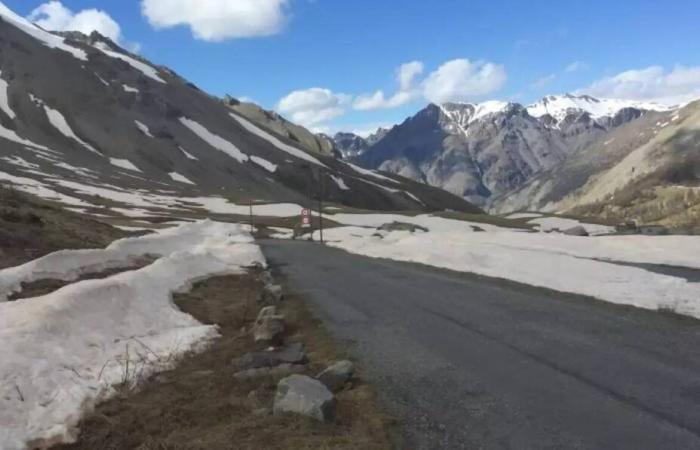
(200,405)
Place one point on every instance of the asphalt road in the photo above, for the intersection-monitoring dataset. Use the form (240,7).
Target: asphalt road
(470,362)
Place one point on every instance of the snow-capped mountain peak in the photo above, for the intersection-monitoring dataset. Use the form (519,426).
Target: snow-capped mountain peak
(467,113)
(559,106)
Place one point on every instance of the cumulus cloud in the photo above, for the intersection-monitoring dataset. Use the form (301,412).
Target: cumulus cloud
(678,85)
(311,107)
(463,80)
(53,16)
(406,76)
(218,20)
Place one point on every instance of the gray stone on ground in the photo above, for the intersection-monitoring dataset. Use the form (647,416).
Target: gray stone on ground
(576,231)
(290,354)
(269,325)
(282,370)
(337,375)
(273,293)
(303,395)
(402,226)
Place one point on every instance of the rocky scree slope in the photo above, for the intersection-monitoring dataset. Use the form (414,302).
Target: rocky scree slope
(101,130)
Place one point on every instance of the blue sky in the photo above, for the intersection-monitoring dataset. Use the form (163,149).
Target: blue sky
(462,50)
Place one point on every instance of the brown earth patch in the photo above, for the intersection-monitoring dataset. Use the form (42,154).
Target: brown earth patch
(200,405)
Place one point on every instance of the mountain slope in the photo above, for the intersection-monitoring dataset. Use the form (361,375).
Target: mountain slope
(351,145)
(479,151)
(103,131)
(647,170)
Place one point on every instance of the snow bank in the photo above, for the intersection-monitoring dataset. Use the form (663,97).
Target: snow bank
(509,255)
(214,140)
(63,351)
(563,224)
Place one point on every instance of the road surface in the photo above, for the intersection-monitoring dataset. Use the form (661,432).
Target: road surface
(471,362)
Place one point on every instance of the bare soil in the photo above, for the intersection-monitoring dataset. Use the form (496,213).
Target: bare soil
(200,405)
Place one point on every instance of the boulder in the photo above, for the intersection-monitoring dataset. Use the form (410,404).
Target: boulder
(291,354)
(402,226)
(303,395)
(269,325)
(273,293)
(337,375)
(282,370)
(576,231)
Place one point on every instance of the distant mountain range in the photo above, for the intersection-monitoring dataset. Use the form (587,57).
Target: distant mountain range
(481,151)
(85,123)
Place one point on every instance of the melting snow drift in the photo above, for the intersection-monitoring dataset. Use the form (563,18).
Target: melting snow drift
(63,351)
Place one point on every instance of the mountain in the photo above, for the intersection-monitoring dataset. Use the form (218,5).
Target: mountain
(480,151)
(87,124)
(350,145)
(271,120)
(647,170)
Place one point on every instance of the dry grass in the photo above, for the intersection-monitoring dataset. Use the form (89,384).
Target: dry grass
(199,405)
(31,227)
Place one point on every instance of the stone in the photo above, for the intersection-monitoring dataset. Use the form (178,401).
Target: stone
(291,354)
(282,370)
(576,231)
(299,394)
(402,226)
(337,375)
(269,325)
(273,293)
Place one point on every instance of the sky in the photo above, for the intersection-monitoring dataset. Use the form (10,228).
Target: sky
(355,65)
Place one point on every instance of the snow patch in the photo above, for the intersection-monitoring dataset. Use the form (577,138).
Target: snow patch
(188,155)
(265,164)
(63,351)
(214,140)
(4,100)
(370,173)
(48,39)
(143,128)
(128,88)
(340,182)
(124,164)
(142,67)
(180,178)
(59,122)
(297,153)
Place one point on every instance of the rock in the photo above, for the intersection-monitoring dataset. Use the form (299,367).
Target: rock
(402,226)
(303,395)
(266,277)
(576,231)
(269,325)
(291,354)
(336,375)
(273,293)
(282,370)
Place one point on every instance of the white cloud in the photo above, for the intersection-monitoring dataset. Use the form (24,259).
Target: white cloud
(463,80)
(655,83)
(576,66)
(312,107)
(218,20)
(406,76)
(53,16)
(544,81)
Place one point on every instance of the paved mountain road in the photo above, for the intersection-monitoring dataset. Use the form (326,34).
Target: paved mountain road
(471,362)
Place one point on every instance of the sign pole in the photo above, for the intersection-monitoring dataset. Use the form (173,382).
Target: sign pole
(252,225)
(320,205)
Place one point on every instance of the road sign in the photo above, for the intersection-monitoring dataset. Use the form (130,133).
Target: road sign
(306,218)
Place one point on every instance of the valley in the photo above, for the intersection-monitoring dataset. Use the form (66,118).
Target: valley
(186,269)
